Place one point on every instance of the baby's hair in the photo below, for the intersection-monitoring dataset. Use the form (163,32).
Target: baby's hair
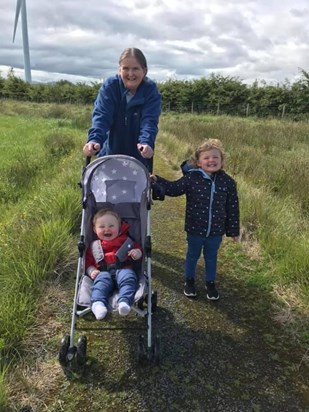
(137,53)
(205,147)
(103,212)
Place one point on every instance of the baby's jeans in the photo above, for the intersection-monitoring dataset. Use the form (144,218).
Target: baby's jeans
(104,285)
(210,246)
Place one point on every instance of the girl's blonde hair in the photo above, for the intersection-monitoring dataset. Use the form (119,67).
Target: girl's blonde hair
(205,147)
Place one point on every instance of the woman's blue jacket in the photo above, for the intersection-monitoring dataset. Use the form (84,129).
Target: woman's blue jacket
(119,125)
(212,207)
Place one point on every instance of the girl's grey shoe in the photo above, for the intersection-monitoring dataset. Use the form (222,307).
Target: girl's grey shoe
(212,293)
(189,290)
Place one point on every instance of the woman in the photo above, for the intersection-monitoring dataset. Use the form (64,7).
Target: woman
(126,112)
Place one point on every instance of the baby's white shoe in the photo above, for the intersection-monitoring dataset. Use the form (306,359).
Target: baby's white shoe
(123,309)
(99,310)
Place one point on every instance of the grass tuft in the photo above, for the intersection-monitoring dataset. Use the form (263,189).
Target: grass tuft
(59,144)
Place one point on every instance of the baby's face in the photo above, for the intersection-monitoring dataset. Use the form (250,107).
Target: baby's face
(107,227)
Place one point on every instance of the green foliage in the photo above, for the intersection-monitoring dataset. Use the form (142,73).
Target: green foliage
(14,87)
(82,120)
(2,83)
(216,94)
(58,144)
(36,243)
(17,177)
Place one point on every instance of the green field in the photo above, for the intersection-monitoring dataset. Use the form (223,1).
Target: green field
(40,166)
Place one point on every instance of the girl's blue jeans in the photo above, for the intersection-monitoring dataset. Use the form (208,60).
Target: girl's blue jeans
(210,246)
(104,285)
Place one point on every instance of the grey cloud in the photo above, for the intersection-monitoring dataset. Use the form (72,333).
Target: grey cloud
(186,39)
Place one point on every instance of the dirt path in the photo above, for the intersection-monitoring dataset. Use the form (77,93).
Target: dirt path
(224,356)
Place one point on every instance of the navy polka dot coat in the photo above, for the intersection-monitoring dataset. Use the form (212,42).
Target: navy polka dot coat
(211,202)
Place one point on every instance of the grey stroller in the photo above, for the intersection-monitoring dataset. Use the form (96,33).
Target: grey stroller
(121,183)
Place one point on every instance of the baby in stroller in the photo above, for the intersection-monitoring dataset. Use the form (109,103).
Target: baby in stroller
(122,185)
(110,263)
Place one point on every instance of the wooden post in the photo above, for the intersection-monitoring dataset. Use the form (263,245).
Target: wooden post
(283,111)
(247,110)
(192,107)
(218,108)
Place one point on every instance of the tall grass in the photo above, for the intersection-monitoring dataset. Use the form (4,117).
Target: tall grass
(36,243)
(3,390)
(281,230)
(40,212)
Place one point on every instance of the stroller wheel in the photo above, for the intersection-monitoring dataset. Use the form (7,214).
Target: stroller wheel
(81,351)
(63,351)
(140,303)
(154,300)
(156,347)
(142,351)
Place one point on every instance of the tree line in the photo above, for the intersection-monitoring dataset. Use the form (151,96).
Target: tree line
(216,94)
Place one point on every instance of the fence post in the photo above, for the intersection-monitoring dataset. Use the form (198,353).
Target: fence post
(192,107)
(283,111)
(247,110)
(218,108)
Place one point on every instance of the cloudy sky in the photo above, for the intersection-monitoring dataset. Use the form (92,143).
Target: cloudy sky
(81,40)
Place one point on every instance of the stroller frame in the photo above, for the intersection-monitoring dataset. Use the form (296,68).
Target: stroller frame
(71,355)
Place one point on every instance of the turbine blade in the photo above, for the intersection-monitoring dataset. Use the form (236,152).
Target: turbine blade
(18,8)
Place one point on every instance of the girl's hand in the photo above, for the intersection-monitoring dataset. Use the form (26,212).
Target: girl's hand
(94,274)
(153,178)
(135,254)
(91,148)
(145,150)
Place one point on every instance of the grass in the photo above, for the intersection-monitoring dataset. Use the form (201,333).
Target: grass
(3,391)
(40,215)
(40,205)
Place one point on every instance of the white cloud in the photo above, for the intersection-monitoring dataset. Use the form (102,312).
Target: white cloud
(184,40)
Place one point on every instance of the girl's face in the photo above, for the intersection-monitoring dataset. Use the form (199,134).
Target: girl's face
(132,73)
(210,161)
(106,227)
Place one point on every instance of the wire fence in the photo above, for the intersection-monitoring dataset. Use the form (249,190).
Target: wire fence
(244,109)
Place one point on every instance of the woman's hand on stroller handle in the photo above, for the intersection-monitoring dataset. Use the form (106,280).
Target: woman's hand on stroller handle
(91,148)
(146,150)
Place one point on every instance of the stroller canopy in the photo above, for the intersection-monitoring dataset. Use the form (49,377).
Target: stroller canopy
(115,179)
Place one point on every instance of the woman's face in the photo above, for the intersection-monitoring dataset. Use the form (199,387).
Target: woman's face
(132,73)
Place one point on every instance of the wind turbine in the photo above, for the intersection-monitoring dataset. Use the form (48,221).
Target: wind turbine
(21,8)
